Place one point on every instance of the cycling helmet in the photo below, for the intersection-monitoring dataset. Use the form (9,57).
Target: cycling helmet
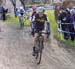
(41,10)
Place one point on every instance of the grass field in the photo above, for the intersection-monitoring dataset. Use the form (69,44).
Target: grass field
(12,19)
(50,14)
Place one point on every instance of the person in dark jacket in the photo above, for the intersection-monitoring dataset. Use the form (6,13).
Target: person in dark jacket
(72,27)
(4,11)
(64,17)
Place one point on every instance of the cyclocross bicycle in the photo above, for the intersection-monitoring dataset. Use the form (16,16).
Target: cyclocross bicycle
(39,48)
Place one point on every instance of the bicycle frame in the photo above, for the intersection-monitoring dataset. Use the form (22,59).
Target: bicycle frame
(39,48)
(40,39)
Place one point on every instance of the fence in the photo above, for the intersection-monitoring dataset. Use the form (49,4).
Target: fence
(63,31)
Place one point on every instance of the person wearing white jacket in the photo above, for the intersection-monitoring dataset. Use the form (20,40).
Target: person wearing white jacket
(32,19)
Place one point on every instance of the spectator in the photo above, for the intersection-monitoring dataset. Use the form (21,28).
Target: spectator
(73,24)
(64,17)
(4,11)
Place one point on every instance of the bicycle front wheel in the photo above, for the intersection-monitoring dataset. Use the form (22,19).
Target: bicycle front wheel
(38,57)
(39,50)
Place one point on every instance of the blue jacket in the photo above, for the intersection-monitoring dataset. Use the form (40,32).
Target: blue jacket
(72,18)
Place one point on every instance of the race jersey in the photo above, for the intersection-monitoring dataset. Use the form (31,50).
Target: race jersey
(40,25)
(20,12)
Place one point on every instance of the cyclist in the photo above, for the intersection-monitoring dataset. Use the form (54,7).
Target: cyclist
(20,12)
(40,25)
(32,15)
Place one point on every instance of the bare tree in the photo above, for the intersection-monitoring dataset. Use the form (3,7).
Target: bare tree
(2,2)
(14,4)
(23,2)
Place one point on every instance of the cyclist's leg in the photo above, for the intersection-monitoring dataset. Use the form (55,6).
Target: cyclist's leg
(44,36)
(34,42)
(21,21)
(35,39)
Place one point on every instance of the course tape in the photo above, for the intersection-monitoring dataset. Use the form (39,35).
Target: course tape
(62,31)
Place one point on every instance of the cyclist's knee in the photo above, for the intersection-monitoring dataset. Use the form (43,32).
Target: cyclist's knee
(35,35)
(44,36)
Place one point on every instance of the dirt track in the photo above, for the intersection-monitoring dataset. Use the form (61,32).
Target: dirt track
(16,51)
